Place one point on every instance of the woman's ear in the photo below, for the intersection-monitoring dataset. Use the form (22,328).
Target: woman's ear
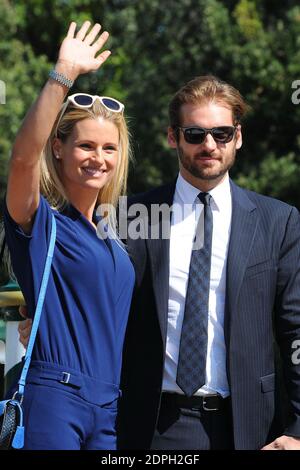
(56,147)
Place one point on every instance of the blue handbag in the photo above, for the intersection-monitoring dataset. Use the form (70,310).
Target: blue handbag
(11,412)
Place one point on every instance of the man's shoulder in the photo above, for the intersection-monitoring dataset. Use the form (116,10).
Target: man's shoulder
(159,195)
(263,202)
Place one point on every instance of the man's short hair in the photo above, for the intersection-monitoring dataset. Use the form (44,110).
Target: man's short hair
(205,89)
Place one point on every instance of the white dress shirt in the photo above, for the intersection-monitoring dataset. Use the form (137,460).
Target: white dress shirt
(187,209)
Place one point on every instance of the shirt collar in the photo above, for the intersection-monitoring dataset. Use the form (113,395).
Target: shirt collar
(221,194)
(185,191)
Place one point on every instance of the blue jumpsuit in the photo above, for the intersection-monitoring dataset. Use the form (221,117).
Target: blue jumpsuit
(72,389)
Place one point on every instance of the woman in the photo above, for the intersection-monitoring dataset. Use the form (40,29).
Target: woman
(67,161)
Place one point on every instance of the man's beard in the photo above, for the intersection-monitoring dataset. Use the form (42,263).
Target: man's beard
(202,173)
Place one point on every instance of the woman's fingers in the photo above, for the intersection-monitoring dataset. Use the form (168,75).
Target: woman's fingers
(71,30)
(100,41)
(83,30)
(80,49)
(103,56)
(92,34)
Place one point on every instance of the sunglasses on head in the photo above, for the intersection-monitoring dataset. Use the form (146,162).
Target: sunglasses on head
(85,101)
(197,135)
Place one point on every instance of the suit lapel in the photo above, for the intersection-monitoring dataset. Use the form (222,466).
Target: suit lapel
(243,227)
(159,255)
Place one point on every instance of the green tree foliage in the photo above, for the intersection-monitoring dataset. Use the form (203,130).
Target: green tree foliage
(22,72)
(157,46)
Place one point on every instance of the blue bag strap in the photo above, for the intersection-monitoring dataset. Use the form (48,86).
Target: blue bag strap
(39,308)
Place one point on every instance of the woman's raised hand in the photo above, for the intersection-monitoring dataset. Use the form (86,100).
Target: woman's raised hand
(80,50)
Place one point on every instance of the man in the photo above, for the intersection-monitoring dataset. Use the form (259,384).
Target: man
(254,292)
(238,290)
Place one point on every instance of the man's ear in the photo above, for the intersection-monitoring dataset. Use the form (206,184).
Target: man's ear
(56,147)
(239,137)
(172,141)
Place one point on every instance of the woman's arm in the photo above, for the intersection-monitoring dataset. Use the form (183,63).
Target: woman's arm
(77,55)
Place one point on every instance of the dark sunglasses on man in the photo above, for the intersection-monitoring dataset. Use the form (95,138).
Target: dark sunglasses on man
(197,135)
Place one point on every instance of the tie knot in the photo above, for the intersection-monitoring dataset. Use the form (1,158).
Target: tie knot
(205,198)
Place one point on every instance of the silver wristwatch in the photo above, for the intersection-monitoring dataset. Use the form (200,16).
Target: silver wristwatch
(60,78)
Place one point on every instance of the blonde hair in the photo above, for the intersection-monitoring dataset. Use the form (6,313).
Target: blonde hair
(51,185)
(204,89)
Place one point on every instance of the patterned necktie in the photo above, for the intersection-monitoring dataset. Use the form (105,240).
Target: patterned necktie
(193,341)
